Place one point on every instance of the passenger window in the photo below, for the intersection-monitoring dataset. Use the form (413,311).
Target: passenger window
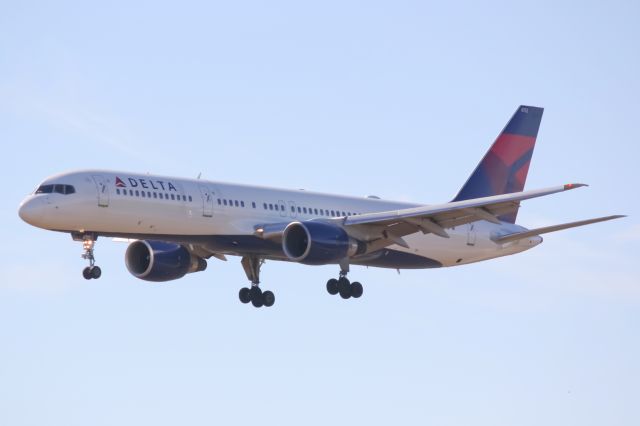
(190,199)
(149,194)
(299,210)
(219,202)
(184,198)
(173,197)
(264,205)
(315,211)
(304,209)
(143,194)
(118,191)
(293,210)
(281,207)
(225,202)
(236,203)
(253,204)
(333,213)
(270,206)
(241,203)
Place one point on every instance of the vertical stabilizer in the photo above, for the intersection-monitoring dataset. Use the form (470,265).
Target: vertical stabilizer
(504,167)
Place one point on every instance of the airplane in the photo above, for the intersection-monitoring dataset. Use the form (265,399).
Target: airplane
(175,225)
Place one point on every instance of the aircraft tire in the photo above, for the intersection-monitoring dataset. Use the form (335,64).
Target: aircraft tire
(332,286)
(343,284)
(86,273)
(345,292)
(268,298)
(96,272)
(356,290)
(256,296)
(245,295)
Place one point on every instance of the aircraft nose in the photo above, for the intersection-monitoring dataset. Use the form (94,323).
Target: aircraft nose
(30,211)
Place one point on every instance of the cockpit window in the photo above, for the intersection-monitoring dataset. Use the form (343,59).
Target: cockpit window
(58,188)
(44,189)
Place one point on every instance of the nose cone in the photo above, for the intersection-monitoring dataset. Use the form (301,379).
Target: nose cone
(31,211)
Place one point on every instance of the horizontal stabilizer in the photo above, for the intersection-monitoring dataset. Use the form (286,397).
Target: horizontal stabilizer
(520,235)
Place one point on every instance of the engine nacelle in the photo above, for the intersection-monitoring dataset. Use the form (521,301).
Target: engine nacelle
(318,243)
(161,261)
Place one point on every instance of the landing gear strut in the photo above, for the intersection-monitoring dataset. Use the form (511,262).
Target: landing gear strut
(343,286)
(88,242)
(255,295)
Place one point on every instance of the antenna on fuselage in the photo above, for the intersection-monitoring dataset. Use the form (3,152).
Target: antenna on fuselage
(199,174)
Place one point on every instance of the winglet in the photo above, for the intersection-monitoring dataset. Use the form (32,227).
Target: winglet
(569,186)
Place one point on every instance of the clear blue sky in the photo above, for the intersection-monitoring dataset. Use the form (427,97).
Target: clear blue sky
(398,99)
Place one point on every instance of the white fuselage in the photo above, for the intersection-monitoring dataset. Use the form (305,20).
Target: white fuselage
(224,217)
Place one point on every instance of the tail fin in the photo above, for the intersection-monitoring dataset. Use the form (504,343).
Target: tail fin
(504,167)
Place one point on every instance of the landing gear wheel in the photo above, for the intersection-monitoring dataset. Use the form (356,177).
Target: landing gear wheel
(86,273)
(96,272)
(245,295)
(344,287)
(332,286)
(343,283)
(268,298)
(256,296)
(356,289)
(345,292)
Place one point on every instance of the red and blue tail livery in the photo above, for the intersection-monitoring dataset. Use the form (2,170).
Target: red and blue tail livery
(504,168)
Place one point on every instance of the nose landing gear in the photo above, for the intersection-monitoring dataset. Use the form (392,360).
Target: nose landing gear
(88,242)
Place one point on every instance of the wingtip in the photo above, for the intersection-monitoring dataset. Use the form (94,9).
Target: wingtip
(569,186)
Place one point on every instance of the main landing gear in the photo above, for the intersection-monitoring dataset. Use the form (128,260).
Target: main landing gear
(344,287)
(88,242)
(255,295)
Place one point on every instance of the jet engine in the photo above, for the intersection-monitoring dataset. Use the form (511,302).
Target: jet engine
(318,243)
(161,261)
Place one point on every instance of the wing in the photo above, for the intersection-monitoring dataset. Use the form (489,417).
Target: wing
(545,230)
(382,229)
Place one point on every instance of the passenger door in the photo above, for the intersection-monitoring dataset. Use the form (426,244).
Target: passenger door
(207,195)
(103,190)
(292,209)
(283,208)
